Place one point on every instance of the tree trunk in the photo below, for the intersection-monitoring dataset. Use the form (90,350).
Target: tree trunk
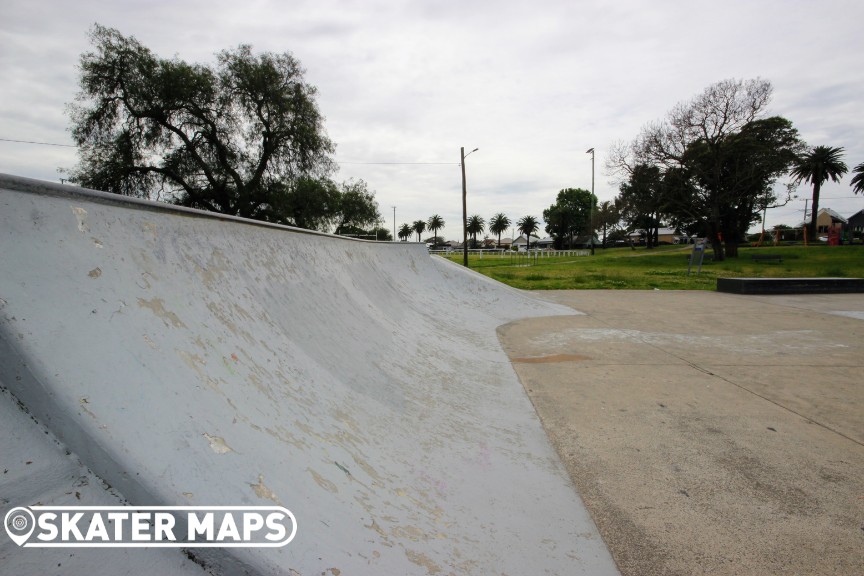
(732,247)
(649,233)
(812,232)
(716,243)
(715,236)
(731,235)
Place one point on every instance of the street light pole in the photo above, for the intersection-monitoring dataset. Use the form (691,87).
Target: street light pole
(591,218)
(462,157)
(394,223)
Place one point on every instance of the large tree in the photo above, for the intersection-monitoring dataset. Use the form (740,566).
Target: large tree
(705,149)
(818,166)
(320,204)
(434,224)
(498,225)
(476,225)
(380,233)
(419,226)
(725,188)
(357,208)
(225,138)
(643,200)
(528,225)
(309,203)
(858,179)
(570,215)
(608,217)
(405,232)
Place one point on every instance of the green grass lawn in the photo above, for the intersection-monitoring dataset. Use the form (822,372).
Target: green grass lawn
(664,268)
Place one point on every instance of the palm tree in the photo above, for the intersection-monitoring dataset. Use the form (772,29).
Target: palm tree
(405,232)
(528,225)
(607,215)
(434,224)
(476,225)
(499,224)
(816,167)
(858,179)
(419,227)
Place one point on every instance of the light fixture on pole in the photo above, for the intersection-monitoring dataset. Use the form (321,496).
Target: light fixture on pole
(591,218)
(462,157)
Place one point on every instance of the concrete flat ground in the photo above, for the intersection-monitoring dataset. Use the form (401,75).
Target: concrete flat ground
(707,433)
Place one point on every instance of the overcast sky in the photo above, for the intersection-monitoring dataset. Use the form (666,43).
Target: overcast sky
(532,84)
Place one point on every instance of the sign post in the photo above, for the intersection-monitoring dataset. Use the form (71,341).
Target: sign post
(696,256)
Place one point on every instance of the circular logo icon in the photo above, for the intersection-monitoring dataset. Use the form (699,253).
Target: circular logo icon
(20,523)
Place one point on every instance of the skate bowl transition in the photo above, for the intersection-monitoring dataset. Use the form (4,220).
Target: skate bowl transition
(157,356)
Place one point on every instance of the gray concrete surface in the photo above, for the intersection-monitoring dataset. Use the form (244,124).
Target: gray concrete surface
(35,468)
(707,433)
(188,359)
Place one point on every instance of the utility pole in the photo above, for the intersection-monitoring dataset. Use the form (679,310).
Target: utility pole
(464,209)
(462,157)
(591,217)
(394,223)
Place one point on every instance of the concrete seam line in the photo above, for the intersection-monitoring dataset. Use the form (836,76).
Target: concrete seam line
(741,386)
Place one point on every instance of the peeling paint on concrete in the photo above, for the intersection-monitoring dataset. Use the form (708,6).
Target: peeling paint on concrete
(262,491)
(261,363)
(157,306)
(323,482)
(217,444)
(81,218)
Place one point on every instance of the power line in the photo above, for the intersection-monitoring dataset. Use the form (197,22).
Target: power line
(353,163)
(338,162)
(825,198)
(39,143)
(402,163)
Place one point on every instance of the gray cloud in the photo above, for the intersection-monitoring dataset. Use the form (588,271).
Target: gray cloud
(532,84)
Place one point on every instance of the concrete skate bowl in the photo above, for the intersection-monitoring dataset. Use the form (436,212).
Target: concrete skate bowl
(186,358)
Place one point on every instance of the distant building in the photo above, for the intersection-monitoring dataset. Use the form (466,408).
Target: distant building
(519,243)
(827,218)
(855,224)
(664,236)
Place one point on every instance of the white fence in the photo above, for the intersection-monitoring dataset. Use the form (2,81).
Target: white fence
(532,255)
